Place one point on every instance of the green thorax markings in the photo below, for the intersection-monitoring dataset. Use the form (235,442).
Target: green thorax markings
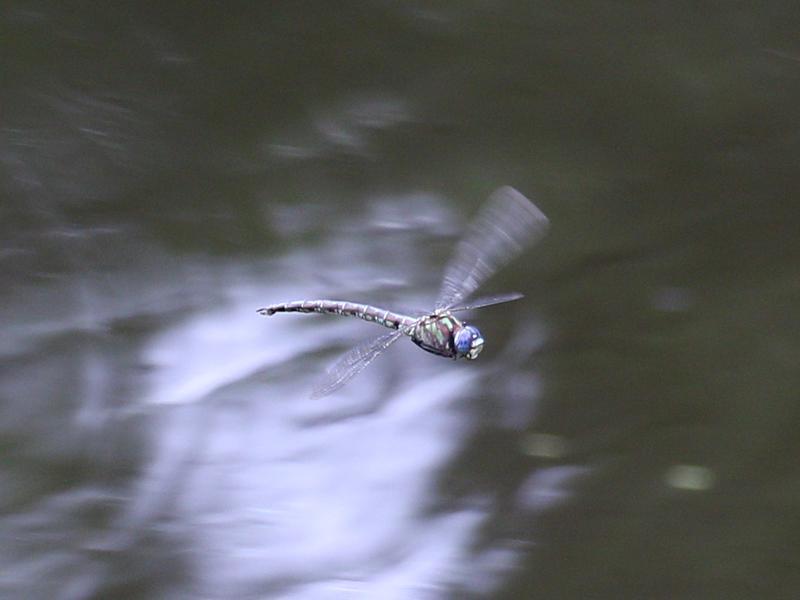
(435,333)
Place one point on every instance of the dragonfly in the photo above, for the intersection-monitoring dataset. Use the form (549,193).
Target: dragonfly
(504,226)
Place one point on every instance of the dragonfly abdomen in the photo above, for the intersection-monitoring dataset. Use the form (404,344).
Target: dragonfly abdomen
(366,312)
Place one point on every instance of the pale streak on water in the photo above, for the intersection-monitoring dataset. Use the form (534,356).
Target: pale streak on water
(276,513)
(269,491)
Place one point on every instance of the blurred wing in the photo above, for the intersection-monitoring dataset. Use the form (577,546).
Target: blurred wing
(352,363)
(502,228)
(487,301)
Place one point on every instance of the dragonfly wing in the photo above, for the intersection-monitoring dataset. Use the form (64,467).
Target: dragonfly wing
(352,362)
(502,228)
(487,301)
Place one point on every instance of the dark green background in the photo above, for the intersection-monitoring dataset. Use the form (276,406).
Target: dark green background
(154,156)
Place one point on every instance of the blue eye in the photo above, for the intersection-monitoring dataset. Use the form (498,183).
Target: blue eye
(468,342)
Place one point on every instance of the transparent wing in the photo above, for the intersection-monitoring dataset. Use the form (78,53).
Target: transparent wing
(487,301)
(502,228)
(352,363)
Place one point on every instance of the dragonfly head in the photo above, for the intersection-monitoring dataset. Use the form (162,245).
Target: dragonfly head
(468,342)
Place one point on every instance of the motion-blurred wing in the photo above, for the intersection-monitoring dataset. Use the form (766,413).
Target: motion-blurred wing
(502,228)
(352,363)
(487,301)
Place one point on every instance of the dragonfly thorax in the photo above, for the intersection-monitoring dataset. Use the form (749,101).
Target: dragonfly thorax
(441,333)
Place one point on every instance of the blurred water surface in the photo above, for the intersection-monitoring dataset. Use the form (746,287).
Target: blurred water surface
(630,430)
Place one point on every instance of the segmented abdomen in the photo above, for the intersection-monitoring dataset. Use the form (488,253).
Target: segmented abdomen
(366,312)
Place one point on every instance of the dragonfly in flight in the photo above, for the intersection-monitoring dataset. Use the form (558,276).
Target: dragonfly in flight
(503,227)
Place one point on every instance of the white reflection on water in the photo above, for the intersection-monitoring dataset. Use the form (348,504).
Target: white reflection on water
(162,364)
(220,347)
(271,503)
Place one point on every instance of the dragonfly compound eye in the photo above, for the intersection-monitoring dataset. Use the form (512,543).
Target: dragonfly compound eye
(468,342)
